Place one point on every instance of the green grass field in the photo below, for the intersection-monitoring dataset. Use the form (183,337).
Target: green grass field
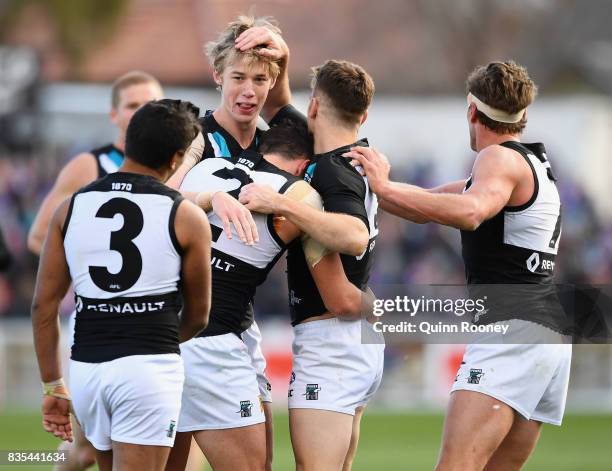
(390,442)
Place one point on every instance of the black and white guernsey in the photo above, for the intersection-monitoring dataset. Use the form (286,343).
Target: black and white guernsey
(125,263)
(518,247)
(238,268)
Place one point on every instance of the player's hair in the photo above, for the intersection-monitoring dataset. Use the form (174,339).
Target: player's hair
(135,77)
(505,86)
(222,51)
(347,87)
(291,140)
(160,129)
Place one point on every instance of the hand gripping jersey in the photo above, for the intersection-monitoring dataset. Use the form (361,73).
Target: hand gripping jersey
(124,261)
(518,246)
(236,267)
(108,159)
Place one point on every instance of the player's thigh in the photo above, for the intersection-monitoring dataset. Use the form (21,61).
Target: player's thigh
(475,425)
(240,448)
(177,461)
(320,438)
(354,443)
(130,457)
(518,445)
(81,453)
(104,459)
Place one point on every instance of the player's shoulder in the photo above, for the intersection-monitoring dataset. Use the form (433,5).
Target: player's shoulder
(334,169)
(500,159)
(191,221)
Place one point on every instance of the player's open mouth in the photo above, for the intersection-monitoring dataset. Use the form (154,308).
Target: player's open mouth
(246,108)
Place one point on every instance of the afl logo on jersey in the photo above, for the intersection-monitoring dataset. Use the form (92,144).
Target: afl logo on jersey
(79,304)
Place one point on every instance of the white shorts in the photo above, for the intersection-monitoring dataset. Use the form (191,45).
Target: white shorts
(134,399)
(531,378)
(221,389)
(332,369)
(252,339)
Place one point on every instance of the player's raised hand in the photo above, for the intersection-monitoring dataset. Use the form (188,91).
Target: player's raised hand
(375,165)
(259,198)
(231,211)
(56,417)
(267,42)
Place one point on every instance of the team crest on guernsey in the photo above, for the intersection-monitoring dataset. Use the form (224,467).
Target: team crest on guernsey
(475,375)
(245,408)
(170,430)
(312,392)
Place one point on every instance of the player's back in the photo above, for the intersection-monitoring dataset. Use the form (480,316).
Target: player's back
(238,268)
(125,263)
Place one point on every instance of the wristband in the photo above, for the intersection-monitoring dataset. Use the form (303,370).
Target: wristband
(56,388)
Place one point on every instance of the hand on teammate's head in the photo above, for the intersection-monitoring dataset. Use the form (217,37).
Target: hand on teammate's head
(267,42)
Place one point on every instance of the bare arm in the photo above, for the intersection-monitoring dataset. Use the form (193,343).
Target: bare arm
(194,236)
(79,172)
(192,157)
(494,178)
(271,44)
(52,283)
(337,232)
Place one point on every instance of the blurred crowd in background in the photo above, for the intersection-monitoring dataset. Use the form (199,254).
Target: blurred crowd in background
(425,49)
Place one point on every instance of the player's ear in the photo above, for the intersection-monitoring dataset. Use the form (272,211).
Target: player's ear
(301,168)
(472,113)
(313,107)
(218,78)
(364,117)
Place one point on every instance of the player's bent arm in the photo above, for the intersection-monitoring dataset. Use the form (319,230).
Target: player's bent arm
(80,171)
(494,177)
(302,206)
(194,237)
(339,295)
(52,283)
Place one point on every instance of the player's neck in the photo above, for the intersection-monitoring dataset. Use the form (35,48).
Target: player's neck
(120,142)
(488,138)
(131,166)
(329,137)
(242,132)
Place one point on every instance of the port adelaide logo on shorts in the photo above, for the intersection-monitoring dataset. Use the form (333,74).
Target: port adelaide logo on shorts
(245,408)
(312,392)
(170,430)
(475,375)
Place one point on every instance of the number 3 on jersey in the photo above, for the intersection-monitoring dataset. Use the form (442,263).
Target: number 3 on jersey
(121,241)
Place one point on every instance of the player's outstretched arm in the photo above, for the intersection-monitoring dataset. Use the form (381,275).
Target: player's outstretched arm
(337,232)
(270,44)
(494,177)
(52,283)
(194,236)
(79,172)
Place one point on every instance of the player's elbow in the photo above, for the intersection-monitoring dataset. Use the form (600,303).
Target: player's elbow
(34,243)
(343,305)
(472,218)
(359,241)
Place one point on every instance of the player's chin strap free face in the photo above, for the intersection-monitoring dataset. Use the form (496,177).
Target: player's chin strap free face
(494,113)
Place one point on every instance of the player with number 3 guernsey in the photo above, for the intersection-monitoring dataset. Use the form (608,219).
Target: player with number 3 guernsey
(128,242)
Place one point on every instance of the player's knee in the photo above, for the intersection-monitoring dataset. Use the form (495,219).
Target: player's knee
(86,455)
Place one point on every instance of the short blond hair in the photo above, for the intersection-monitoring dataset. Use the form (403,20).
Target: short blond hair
(134,77)
(222,51)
